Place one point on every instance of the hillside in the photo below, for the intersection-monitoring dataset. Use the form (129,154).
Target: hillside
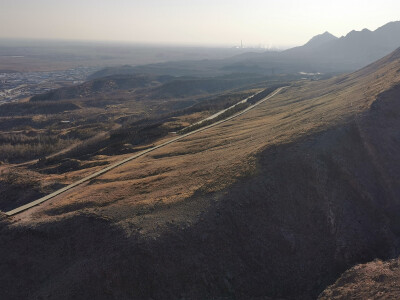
(102,85)
(110,71)
(87,113)
(189,86)
(148,86)
(275,203)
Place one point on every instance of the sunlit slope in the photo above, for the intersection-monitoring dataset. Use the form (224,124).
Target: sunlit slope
(214,159)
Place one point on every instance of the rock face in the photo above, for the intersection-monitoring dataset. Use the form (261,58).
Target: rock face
(374,280)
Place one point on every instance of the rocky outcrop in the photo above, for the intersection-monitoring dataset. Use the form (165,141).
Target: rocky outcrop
(375,280)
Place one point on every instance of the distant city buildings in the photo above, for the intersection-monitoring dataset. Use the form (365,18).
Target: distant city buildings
(16,86)
(242,46)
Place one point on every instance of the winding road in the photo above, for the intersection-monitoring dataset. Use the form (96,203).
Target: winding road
(98,173)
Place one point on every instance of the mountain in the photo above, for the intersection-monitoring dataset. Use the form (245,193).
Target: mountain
(315,42)
(326,53)
(355,50)
(291,194)
(320,39)
(323,53)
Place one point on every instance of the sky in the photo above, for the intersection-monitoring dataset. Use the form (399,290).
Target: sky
(268,23)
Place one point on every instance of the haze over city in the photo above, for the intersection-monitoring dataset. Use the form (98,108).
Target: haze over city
(218,22)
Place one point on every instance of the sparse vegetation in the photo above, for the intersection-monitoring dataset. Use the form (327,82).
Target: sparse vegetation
(18,187)
(38,108)
(16,147)
(261,95)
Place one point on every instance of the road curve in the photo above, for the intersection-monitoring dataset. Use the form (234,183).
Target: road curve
(98,173)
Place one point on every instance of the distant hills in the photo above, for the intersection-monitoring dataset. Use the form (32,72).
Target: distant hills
(102,85)
(323,53)
(358,48)
(155,86)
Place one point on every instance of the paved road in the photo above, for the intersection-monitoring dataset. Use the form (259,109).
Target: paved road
(222,111)
(101,172)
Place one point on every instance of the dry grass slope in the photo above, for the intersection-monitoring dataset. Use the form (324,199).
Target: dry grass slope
(213,160)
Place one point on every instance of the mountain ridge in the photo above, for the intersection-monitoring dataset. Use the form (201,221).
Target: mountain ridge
(323,53)
(320,39)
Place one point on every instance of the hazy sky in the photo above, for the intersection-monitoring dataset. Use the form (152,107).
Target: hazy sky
(208,22)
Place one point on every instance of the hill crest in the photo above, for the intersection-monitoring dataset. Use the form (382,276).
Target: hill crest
(321,39)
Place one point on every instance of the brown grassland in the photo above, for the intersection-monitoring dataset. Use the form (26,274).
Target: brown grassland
(212,160)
